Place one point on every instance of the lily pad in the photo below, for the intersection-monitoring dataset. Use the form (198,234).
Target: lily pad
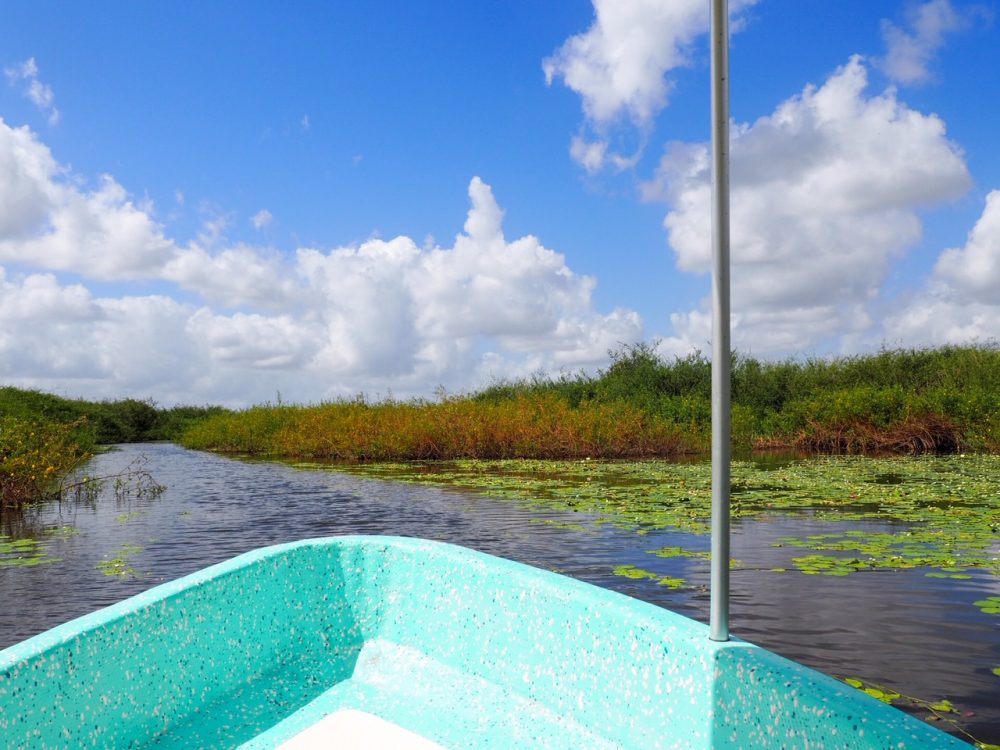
(23,553)
(990,605)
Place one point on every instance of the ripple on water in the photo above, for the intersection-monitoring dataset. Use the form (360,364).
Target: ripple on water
(901,627)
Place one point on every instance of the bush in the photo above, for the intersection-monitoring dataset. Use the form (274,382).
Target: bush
(35,455)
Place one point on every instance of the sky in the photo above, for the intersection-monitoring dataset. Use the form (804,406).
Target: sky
(242,202)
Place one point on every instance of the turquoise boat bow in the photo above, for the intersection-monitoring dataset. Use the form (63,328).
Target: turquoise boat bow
(451,645)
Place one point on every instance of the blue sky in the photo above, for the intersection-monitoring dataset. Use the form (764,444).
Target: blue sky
(222,201)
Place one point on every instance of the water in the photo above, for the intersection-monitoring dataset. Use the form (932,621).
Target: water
(915,633)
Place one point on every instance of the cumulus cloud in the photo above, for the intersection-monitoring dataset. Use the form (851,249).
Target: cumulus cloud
(101,233)
(383,315)
(825,193)
(27,189)
(397,308)
(233,276)
(910,50)
(961,300)
(39,93)
(974,270)
(619,65)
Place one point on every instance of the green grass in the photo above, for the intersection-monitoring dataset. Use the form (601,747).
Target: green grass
(895,401)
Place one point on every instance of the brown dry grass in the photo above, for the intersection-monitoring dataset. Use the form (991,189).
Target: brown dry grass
(928,433)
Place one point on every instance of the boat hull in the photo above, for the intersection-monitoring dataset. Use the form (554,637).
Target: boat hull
(461,648)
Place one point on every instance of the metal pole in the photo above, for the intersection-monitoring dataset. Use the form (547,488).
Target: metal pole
(719,608)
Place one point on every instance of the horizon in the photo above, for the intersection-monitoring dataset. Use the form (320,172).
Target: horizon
(238,200)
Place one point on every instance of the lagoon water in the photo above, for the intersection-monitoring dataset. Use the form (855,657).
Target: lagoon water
(916,634)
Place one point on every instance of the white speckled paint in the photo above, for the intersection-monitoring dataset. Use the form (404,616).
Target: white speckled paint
(461,648)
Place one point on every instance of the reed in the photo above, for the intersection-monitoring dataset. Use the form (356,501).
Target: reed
(539,426)
(898,401)
(895,401)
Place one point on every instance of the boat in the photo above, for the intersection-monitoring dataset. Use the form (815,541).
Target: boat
(391,642)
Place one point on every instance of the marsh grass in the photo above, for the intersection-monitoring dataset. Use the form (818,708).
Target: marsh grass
(895,401)
(543,425)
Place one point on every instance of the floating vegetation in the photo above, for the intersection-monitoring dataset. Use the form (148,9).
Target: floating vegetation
(23,553)
(130,516)
(990,605)
(933,711)
(630,571)
(829,565)
(638,574)
(679,552)
(944,510)
(30,551)
(673,583)
(120,565)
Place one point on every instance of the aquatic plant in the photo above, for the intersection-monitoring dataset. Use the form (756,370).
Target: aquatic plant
(942,710)
(30,551)
(119,565)
(23,553)
(946,508)
(990,605)
(637,574)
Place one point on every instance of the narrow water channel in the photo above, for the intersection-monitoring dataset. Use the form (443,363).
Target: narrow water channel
(901,628)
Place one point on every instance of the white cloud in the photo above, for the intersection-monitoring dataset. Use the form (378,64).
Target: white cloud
(909,51)
(394,307)
(261,219)
(974,270)
(39,93)
(379,316)
(619,65)
(39,299)
(253,341)
(961,300)
(27,189)
(824,195)
(101,234)
(234,276)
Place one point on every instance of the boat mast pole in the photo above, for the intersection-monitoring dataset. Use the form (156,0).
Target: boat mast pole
(721,361)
